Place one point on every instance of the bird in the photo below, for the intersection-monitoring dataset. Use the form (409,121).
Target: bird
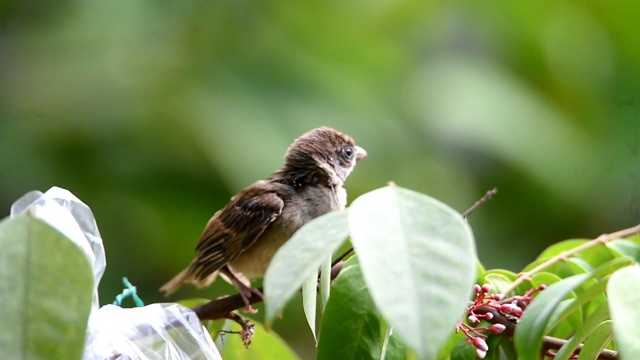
(239,240)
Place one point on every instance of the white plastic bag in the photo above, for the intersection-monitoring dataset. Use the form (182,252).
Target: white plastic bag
(157,331)
(67,214)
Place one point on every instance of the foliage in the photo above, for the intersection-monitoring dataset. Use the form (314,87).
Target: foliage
(567,288)
(413,251)
(405,294)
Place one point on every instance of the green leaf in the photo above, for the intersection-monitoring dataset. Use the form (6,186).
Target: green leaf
(493,341)
(634,238)
(597,255)
(325,281)
(396,350)
(559,248)
(351,325)
(578,266)
(594,345)
(582,262)
(309,301)
(266,345)
(499,279)
(353,260)
(626,247)
(507,350)
(415,252)
(446,352)
(624,298)
(576,304)
(612,266)
(533,324)
(544,278)
(480,270)
(563,269)
(594,320)
(463,350)
(300,257)
(46,287)
(566,317)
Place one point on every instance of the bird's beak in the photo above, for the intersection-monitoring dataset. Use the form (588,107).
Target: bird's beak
(360,153)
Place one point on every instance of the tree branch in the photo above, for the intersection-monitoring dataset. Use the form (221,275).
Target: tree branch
(220,308)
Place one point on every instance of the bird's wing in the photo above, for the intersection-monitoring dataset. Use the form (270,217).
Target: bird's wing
(235,228)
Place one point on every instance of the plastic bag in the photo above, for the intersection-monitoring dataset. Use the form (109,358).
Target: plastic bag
(157,331)
(67,214)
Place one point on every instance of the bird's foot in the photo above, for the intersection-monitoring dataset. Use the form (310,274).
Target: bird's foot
(246,292)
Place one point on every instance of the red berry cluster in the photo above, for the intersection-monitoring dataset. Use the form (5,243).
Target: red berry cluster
(512,308)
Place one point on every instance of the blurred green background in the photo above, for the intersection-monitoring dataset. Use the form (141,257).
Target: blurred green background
(154,113)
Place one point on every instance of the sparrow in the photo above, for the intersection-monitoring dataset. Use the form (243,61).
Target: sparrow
(240,239)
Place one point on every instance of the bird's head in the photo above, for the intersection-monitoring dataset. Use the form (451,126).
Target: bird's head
(327,149)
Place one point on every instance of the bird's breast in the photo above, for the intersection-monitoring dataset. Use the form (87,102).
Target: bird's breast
(254,261)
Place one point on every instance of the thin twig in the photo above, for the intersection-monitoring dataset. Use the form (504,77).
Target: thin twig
(602,239)
(479,203)
(339,258)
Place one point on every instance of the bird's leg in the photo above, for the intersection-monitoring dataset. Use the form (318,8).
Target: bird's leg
(245,291)
(248,328)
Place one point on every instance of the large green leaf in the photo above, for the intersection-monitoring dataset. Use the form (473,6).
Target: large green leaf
(350,325)
(300,257)
(418,259)
(46,286)
(534,322)
(624,298)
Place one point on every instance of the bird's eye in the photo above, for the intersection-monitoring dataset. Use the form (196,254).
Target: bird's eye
(348,151)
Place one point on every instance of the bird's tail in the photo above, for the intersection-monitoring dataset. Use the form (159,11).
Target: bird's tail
(186,277)
(174,284)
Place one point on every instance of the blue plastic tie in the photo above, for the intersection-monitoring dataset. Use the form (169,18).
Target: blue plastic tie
(129,291)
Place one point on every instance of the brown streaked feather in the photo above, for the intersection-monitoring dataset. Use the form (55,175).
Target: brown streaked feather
(235,228)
